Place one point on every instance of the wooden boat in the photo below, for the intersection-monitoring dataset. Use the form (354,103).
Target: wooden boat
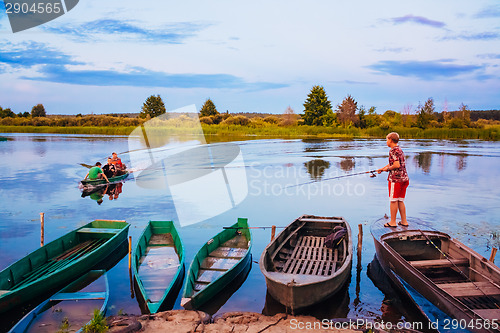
(158,264)
(456,279)
(93,182)
(59,262)
(217,263)
(73,305)
(299,269)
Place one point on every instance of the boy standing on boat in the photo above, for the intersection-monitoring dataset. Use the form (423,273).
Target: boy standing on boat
(398,180)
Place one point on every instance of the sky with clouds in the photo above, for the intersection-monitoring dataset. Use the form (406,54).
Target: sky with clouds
(254,56)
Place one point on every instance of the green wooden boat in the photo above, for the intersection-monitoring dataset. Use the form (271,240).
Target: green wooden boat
(74,305)
(158,265)
(217,263)
(87,182)
(59,262)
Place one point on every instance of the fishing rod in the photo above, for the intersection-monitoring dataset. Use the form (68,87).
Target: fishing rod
(337,177)
(239,228)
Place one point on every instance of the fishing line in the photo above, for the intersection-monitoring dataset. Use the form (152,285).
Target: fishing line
(461,272)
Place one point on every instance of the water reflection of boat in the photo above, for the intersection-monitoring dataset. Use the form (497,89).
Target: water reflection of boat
(158,265)
(393,307)
(71,306)
(335,306)
(299,269)
(59,261)
(217,263)
(457,280)
(98,192)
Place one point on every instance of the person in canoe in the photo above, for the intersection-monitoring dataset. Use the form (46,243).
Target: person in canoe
(109,169)
(398,180)
(96,173)
(120,167)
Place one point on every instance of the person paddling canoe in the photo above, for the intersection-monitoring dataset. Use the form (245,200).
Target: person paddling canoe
(96,173)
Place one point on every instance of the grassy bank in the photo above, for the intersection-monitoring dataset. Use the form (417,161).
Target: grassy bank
(222,131)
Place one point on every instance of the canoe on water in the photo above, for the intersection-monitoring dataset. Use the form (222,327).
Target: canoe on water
(217,263)
(158,265)
(59,262)
(457,280)
(73,306)
(87,182)
(299,269)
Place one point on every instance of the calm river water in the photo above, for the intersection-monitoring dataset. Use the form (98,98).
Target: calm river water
(455,185)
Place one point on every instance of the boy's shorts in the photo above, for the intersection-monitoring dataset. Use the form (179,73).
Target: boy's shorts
(397,191)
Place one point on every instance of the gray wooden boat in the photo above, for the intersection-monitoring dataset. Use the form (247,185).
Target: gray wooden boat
(457,280)
(299,269)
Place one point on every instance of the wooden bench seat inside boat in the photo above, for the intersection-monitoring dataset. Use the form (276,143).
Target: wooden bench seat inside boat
(470,289)
(99,230)
(438,263)
(490,314)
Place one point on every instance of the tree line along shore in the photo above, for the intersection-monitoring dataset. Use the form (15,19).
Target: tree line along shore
(319,119)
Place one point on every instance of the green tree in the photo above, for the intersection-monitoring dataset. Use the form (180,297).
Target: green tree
(208,109)
(38,111)
(362,117)
(425,114)
(346,112)
(4,113)
(153,107)
(464,113)
(316,107)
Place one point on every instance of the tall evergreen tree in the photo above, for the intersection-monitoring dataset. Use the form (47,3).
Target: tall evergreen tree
(425,114)
(38,111)
(208,109)
(316,107)
(152,107)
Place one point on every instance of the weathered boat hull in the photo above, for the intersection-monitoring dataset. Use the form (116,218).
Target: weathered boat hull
(427,277)
(193,298)
(93,182)
(318,273)
(167,230)
(54,265)
(99,294)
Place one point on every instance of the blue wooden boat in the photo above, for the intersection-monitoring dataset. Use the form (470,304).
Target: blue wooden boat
(73,306)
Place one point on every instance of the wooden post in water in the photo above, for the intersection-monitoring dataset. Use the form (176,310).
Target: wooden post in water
(493,254)
(42,229)
(129,252)
(360,239)
(273,232)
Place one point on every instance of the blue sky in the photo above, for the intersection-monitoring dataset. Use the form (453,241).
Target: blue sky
(260,56)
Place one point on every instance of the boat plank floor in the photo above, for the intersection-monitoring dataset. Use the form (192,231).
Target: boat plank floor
(161,240)
(208,276)
(468,289)
(218,263)
(239,241)
(311,257)
(225,252)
